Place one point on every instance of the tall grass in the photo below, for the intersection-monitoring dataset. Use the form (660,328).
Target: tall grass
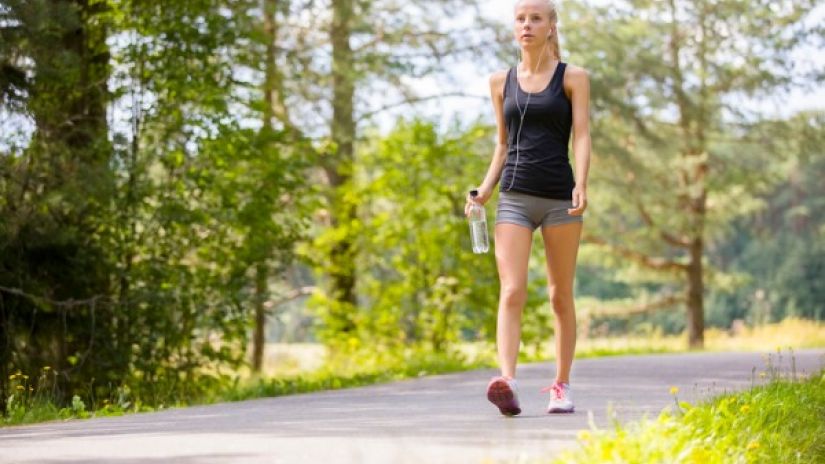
(789,333)
(781,421)
(29,404)
(297,369)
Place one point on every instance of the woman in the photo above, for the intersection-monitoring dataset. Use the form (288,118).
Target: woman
(537,103)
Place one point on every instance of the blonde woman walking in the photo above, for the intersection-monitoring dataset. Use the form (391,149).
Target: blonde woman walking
(538,103)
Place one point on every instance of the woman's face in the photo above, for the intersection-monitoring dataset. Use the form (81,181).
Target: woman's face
(532,23)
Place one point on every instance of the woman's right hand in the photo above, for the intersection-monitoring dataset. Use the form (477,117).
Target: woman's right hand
(481,198)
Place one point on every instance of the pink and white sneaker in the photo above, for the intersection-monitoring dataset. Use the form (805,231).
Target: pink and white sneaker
(561,401)
(503,392)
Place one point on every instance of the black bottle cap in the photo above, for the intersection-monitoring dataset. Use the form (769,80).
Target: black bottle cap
(474,193)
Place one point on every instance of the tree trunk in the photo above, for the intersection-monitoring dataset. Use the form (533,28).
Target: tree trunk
(273,108)
(695,297)
(273,88)
(259,340)
(68,106)
(692,122)
(339,172)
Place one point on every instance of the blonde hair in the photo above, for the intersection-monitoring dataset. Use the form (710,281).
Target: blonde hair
(553,17)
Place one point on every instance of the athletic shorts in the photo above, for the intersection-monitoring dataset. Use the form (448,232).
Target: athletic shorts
(532,211)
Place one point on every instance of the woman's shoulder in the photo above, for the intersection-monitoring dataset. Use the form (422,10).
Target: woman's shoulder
(497,78)
(497,81)
(575,72)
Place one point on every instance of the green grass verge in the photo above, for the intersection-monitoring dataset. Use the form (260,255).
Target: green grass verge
(329,379)
(782,421)
(33,402)
(31,405)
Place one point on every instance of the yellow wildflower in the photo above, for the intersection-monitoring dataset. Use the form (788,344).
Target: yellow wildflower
(674,390)
(753,445)
(745,408)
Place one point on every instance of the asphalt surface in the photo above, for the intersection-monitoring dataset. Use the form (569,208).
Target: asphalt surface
(444,418)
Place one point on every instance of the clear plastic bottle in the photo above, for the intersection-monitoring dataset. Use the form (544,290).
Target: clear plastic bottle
(478,226)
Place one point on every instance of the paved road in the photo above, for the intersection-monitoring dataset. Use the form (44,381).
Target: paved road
(443,418)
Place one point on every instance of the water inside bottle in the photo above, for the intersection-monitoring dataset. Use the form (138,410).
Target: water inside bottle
(480,240)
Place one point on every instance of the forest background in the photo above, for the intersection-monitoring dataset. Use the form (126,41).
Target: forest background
(183,182)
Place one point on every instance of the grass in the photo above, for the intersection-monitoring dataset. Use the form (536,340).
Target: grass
(780,421)
(330,378)
(29,404)
(304,368)
(789,333)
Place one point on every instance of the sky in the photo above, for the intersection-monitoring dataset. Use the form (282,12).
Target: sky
(473,81)
(476,83)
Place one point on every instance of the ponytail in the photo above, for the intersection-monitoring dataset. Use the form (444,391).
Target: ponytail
(554,43)
(555,49)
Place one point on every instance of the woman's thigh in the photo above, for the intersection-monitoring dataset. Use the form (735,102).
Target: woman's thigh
(561,246)
(512,249)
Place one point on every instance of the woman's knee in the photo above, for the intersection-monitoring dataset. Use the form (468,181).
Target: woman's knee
(561,299)
(514,295)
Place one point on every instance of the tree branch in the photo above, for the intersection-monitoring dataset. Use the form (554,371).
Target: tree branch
(631,310)
(409,101)
(71,302)
(650,262)
(680,242)
(292,295)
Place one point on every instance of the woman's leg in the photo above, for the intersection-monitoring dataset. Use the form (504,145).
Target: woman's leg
(512,253)
(561,246)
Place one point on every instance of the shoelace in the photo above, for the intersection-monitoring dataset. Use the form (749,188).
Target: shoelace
(557,389)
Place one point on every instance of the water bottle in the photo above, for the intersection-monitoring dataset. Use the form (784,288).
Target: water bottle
(478,226)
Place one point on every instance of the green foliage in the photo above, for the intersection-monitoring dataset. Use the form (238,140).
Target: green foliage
(30,405)
(130,260)
(777,422)
(145,217)
(55,189)
(370,369)
(419,283)
(780,250)
(678,158)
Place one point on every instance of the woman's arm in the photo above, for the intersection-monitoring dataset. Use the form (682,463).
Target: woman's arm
(485,190)
(578,85)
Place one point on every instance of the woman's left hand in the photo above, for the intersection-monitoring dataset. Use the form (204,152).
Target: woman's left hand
(579,202)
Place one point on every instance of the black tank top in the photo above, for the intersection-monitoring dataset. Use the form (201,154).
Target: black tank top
(543,166)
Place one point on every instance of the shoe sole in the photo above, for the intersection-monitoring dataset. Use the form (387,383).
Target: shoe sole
(560,411)
(500,394)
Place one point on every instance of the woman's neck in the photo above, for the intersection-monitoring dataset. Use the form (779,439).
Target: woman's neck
(536,61)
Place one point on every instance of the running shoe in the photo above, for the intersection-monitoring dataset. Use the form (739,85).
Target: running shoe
(561,401)
(503,392)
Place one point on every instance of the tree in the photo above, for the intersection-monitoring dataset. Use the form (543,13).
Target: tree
(392,41)
(670,129)
(54,63)
(134,253)
(779,251)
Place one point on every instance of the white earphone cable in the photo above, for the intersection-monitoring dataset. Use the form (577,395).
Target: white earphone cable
(522,114)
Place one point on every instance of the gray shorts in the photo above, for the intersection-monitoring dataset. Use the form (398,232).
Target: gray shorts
(532,211)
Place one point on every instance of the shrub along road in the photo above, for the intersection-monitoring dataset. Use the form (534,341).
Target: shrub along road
(444,418)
